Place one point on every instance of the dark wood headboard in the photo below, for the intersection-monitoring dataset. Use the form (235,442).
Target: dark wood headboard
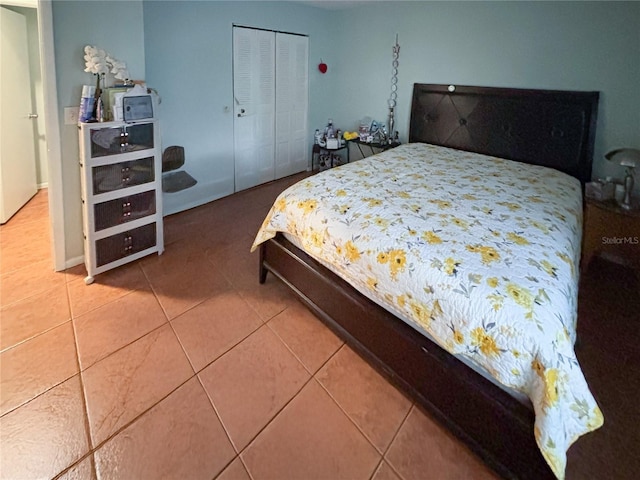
(554,128)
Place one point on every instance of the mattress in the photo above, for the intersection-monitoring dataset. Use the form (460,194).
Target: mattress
(478,252)
(521,397)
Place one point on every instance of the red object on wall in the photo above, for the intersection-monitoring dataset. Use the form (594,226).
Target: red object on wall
(322,67)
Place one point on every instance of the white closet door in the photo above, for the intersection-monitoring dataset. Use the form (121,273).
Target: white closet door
(254,106)
(292,104)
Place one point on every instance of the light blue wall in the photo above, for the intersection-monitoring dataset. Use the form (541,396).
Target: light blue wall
(554,45)
(188,46)
(184,49)
(550,45)
(117,28)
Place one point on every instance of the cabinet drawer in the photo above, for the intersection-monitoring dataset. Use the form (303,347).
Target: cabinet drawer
(121,139)
(125,209)
(107,178)
(612,230)
(118,246)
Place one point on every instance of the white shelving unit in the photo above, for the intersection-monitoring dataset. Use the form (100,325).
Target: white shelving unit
(121,193)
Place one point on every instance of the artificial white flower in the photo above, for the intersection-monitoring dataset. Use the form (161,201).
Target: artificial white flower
(118,68)
(95,60)
(99,62)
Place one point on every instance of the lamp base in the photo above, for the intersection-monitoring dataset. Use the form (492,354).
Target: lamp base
(628,187)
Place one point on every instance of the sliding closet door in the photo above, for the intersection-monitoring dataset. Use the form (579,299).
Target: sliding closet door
(292,103)
(254,106)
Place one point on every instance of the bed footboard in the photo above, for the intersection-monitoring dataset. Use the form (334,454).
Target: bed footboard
(493,424)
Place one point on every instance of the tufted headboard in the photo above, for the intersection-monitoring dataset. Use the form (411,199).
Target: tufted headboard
(553,128)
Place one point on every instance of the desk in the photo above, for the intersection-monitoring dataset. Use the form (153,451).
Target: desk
(327,157)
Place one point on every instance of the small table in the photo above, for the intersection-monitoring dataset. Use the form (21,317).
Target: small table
(372,146)
(609,228)
(319,151)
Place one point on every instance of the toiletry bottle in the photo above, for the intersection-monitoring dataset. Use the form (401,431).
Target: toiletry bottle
(86,103)
(100,110)
(330,131)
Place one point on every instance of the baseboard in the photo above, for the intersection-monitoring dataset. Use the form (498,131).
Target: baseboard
(43,185)
(72,262)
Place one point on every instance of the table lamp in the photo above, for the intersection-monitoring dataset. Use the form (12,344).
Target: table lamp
(630,158)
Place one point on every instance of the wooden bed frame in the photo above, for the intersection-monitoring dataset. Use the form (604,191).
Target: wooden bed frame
(551,128)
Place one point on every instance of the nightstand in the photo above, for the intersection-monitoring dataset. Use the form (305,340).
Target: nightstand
(323,157)
(366,149)
(611,230)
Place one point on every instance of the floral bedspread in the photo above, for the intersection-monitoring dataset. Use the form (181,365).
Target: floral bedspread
(480,252)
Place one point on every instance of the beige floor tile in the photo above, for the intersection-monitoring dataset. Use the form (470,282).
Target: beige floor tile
(35,210)
(238,206)
(424,448)
(262,196)
(237,263)
(180,438)
(268,299)
(307,337)
(251,383)
(35,278)
(227,235)
(35,366)
(213,327)
(235,471)
(83,470)
(311,439)
(253,220)
(133,379)
(27,216)
(190,223)
(24,244)
(107,287)
(182,278)
(77,272)
(36,314)
(110,327)
(385,472)
(48,434)
(370,401)
(45,436)
(240,266)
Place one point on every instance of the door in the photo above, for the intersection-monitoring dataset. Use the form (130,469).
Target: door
(17,155)
(254,106)
(292,100)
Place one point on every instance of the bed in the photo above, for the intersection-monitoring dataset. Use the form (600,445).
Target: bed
(471,311)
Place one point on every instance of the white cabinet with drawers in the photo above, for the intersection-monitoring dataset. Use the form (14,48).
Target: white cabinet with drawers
(121,172)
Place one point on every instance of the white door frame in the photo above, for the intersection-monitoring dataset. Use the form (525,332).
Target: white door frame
(52,127)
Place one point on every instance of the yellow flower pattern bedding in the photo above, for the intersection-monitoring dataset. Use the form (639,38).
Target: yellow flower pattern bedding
(480,252)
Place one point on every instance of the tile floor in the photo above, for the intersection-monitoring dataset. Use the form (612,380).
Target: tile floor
(182,366)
